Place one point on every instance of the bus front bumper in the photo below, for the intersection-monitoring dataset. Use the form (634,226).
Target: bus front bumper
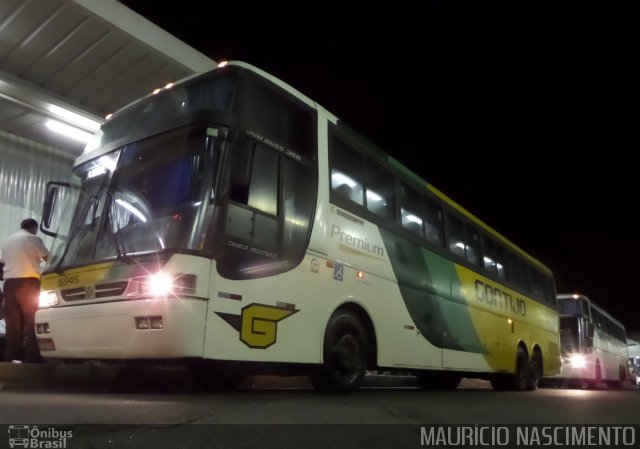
(158,328)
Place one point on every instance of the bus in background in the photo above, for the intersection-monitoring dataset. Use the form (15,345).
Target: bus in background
(634,361)
(594,345)
(231,224)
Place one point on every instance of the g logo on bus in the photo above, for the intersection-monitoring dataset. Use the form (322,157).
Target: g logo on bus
(258,323)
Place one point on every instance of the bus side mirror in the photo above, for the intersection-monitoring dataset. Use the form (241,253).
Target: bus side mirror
(53,208)
(47,208)
(590,332)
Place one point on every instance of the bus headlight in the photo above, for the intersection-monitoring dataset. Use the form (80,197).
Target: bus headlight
(577,361)
(160,284)
(48,298)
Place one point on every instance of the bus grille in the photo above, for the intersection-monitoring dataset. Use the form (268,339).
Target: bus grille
(105,290)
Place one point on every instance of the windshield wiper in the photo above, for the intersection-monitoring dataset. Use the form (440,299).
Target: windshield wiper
(120,255)
(95,201)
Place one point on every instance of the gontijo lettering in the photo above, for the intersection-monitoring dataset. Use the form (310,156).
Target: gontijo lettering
(501,299)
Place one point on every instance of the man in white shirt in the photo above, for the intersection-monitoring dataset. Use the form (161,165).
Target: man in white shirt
(22,253)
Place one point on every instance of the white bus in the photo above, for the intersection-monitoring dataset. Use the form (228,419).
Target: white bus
(594,345)
(230,223)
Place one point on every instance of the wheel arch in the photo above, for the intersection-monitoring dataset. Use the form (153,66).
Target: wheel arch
(364,317)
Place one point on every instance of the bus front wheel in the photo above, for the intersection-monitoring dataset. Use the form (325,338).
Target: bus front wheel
(617,384)
(344,355)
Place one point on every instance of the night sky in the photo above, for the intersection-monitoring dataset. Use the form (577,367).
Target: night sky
(515,112)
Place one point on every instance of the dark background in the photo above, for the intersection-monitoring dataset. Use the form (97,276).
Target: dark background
(517,112)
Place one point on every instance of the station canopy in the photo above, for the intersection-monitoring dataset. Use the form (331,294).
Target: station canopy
(65,65)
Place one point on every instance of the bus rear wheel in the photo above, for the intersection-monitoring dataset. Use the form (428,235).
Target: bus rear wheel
(519,380)
(535,371)
(345,355)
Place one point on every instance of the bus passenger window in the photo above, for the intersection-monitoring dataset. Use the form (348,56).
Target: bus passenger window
(433,222)
(240,164)
(456,236)
(537,284)
(489,256)
(472,242)
(346,172)
(263,194)
(346,187)
(501,262)
(379,186)
(411,210)
(253,190)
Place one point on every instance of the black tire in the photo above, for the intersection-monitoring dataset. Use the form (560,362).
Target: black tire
(438,381)
(617,384)
(517,381)
(344,355)
(535,371)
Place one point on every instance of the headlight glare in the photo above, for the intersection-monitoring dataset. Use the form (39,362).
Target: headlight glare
(48,298)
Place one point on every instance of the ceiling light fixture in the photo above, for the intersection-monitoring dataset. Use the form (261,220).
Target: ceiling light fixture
(69,131)
(74,119)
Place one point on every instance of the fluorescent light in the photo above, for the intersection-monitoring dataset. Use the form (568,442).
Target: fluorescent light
(74,118)
(409,217)
(340,178)
(132,209)
(373,196)
(69,131)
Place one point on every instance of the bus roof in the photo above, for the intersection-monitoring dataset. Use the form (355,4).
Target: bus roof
(398,165)
(563,296)
(88,154)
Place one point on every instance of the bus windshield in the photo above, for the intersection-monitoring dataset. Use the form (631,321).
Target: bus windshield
(144,197)
(569,335)
(571,307)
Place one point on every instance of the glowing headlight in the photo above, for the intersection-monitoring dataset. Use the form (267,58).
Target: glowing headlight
(160,284)
(577,361)
(48,298)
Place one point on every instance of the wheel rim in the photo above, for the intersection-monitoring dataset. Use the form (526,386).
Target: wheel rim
(347,357)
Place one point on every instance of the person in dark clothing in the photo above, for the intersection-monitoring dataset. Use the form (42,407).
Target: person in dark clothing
(22,254)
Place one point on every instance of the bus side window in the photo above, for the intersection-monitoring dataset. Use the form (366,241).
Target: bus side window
(456,236)
(472,245)
(411,210)
(240,164)
(489,256)
(253,191)
(433,222)
(501,262)
(346,172)
(537,284)
(379,187)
